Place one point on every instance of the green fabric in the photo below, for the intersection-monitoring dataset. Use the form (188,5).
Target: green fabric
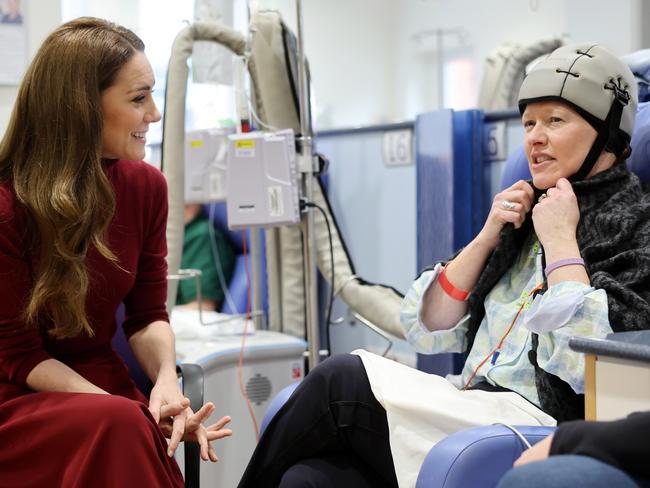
(197,254)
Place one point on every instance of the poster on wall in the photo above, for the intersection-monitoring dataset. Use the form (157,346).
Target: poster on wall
(13,45)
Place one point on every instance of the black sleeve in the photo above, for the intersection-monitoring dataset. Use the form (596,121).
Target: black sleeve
(623,443)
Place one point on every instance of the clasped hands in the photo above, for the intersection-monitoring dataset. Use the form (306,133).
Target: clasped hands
(172,412)
(555,217)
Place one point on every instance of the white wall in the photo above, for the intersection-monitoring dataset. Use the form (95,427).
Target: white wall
(121,12)
(366,65)
(351,50)
(484,24)
(488,24)
(616,25)
(41,17)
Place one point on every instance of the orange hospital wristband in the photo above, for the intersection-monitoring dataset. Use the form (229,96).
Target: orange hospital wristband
(451,290)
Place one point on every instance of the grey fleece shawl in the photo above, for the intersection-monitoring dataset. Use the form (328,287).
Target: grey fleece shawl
(614,240)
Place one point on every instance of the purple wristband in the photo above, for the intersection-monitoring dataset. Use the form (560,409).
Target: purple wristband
(562,262)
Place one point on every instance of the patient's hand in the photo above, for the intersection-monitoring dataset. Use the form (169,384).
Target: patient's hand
(538,452)
(556,216)
(509,206)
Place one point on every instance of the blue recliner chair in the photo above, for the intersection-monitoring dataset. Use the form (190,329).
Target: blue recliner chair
(480,456)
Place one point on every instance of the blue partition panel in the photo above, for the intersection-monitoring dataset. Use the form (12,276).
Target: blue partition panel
(375,208)
(449,184)
(469,211)
(434,186)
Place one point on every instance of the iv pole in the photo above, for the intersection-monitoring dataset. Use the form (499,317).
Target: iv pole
(306,164)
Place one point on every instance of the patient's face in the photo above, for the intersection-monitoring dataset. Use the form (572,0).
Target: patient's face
(556,140)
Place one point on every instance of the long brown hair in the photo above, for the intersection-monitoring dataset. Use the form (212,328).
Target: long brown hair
(51,155)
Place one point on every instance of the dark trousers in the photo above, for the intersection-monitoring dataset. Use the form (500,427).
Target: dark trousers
(332,432)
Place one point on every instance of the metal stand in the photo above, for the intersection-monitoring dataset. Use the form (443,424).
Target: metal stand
(306,162)
(257,314)
(256,285)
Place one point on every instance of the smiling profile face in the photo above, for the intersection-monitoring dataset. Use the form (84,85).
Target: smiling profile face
(128,109)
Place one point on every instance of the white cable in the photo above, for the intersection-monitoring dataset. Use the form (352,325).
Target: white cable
(222,280)
(217,262)
(516,432)
(251,106)
(256,117)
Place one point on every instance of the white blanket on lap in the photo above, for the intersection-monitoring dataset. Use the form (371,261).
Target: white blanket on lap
(424,408)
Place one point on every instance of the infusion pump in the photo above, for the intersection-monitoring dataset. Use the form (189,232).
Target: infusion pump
(255,172)
(206,164)
(263,183)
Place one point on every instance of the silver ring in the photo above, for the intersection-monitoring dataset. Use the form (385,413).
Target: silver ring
(507,204)
(541,197)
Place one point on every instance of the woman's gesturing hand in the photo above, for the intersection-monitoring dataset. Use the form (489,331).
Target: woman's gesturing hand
(193,429)
(171,410)
(509,206)
(168,406)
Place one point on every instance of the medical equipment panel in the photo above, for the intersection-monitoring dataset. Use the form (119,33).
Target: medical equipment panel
(262,181)
(205,165)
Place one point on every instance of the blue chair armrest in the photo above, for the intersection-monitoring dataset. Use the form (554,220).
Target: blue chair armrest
(476,457)
(275,405)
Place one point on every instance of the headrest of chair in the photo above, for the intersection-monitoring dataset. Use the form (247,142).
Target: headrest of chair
(639,63)
(516,167)
(639,161)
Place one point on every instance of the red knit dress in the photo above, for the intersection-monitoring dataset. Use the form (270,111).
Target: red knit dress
(52,439)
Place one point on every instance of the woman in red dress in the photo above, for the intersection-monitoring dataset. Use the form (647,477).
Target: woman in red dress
(82,229)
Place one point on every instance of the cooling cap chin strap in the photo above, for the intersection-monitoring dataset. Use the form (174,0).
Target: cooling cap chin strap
(608,132)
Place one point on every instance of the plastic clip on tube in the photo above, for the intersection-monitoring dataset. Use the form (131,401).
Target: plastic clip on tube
(562,262)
